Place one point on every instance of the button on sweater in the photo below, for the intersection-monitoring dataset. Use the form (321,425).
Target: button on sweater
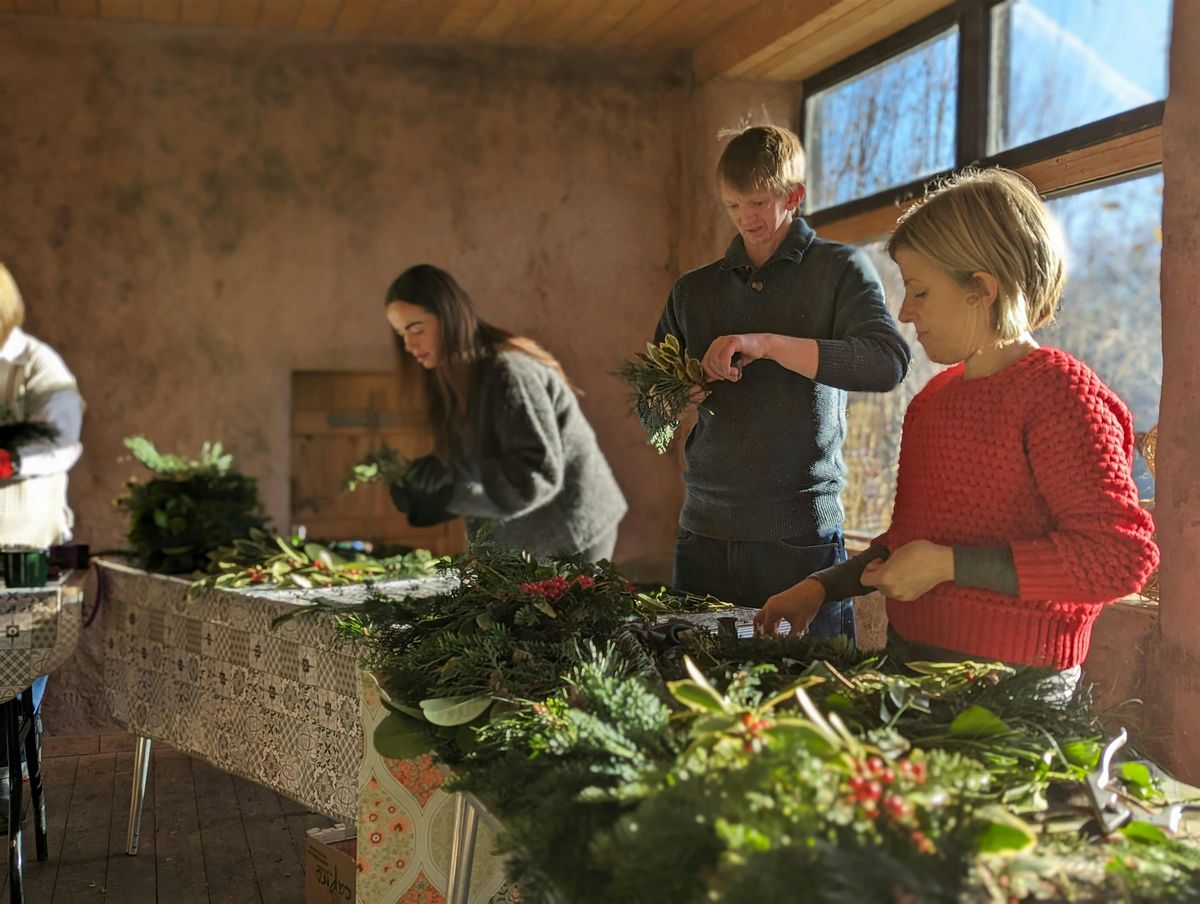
(1037,457)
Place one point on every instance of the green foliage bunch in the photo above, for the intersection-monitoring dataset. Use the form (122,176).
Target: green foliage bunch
(381,465)
(271,561)
(189,508)
(662,381)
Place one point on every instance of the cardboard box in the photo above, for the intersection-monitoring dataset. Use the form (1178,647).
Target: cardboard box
(330,866)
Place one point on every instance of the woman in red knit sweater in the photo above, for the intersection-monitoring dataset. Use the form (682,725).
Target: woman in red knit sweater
(1016,517)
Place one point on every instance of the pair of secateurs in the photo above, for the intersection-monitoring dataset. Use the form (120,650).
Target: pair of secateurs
(1112,812)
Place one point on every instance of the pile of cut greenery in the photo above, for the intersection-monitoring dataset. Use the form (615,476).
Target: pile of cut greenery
(637,760)
(664,381)
(268,560)
(189,508)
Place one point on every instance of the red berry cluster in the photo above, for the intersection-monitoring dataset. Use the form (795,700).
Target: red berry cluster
(257,576)
(871,788)
(555,587)
(753,728)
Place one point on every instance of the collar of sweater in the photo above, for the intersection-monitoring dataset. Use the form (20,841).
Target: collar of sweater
(797,241)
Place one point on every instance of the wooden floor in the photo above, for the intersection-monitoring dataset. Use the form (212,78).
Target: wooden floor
(207,837)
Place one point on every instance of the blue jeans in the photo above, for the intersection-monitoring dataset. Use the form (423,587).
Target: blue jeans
(748,573)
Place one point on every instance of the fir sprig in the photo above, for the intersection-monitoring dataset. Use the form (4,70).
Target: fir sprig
(664,381)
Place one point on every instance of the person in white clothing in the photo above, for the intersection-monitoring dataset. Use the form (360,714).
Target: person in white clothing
(41,416)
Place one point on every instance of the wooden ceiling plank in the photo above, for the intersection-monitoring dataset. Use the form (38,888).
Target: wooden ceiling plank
(160,10)
(239,13)
(36,7)
(503,19)
(606,16)
(75,9)
(120,9)
(200,12)
(462,18)
(838,39)
(639,19)
(424,18)
(762,32)
(355,16)
(6,6)
(687,23)
(569,18)
(279,14)
(317,15)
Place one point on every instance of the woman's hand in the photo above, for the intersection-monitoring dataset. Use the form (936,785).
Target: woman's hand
(911,571)
(727,355)
(798,605)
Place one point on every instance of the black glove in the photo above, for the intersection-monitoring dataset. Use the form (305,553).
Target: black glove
(428,474)
(425,492)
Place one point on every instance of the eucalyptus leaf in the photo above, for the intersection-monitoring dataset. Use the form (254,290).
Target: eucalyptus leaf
(402,737)
(451,711)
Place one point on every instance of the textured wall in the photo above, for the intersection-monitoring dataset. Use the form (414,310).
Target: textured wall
(194,215)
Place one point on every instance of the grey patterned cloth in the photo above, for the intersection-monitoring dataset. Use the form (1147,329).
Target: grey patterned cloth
(212,678)
(39,630)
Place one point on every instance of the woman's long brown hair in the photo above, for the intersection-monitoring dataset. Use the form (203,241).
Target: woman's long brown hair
(468,345)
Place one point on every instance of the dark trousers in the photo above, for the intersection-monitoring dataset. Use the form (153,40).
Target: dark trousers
(749,573)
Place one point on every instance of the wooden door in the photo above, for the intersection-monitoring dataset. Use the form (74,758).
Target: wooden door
(337,418)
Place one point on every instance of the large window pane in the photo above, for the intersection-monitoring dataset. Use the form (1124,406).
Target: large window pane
(887,126)
(1111,318)
(1111,315)
(1058,64)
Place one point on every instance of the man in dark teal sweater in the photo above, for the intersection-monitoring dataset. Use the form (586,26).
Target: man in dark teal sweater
(787,324)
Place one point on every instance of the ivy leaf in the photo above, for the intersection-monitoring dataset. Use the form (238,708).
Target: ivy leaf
(451,711)
(1138,778)
(978,722)
(402,737)
(1137,830)
(1082,753)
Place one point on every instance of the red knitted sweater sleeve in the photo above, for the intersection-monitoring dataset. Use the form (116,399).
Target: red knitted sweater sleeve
(1079,439)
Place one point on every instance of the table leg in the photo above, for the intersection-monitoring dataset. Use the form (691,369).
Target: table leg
(462,850)
(137,797)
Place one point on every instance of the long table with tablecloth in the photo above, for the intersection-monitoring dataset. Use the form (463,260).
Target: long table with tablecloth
(287,707)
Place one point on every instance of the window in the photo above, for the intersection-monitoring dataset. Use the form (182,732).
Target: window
(886,126)
(1058,64)
(1068,92)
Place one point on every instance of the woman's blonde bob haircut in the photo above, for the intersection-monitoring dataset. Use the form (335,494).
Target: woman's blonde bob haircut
(12,308)
(762,157)
(992,221)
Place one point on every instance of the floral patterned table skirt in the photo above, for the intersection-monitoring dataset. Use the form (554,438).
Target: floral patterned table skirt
(287,708)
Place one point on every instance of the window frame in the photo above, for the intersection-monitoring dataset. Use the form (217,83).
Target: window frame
(1109,148)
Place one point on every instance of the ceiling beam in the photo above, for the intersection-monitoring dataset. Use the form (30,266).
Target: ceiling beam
(789,40)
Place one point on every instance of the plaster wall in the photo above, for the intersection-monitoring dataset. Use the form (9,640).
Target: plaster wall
(1172,667)
(194,215)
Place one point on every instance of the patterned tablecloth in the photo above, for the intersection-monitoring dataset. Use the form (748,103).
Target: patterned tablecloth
(39,630)
(287,708)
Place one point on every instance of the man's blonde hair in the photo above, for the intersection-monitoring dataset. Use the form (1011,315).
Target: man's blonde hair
(762,157)
(992,221)
(12,308)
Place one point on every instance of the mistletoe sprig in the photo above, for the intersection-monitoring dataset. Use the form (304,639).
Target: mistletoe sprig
(664,379)
(262,559)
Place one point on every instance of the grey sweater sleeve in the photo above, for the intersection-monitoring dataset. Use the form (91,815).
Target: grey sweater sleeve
(867,353)
(524,466)
(986,567)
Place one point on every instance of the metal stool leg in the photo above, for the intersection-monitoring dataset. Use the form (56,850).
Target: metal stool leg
(12,725)
(462,850)
(141,770)
(33,760)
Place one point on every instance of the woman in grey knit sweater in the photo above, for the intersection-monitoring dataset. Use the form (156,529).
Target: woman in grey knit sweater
(512,447)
